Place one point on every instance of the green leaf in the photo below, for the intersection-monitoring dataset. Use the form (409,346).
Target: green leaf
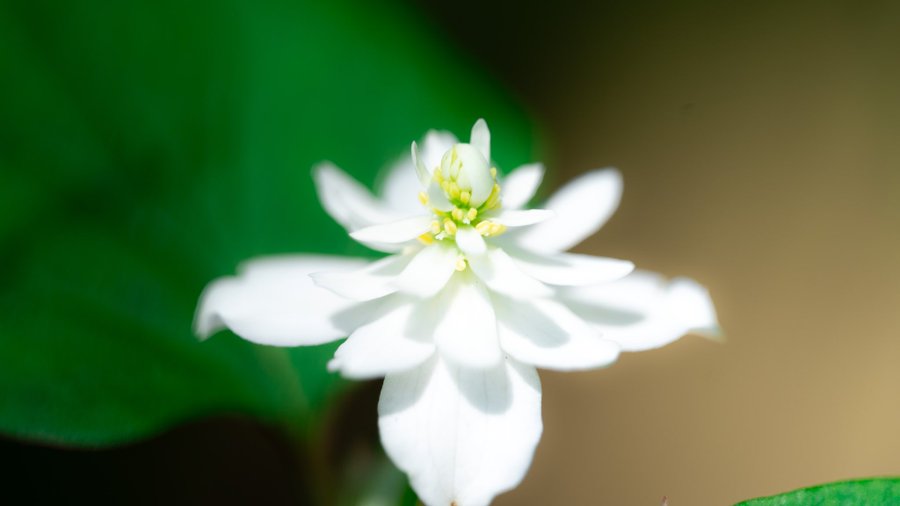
(147,148)
(868,492)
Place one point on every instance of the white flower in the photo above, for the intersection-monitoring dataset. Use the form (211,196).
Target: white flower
(476,293)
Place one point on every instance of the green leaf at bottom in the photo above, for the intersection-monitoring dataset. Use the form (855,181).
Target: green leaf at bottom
(868,492)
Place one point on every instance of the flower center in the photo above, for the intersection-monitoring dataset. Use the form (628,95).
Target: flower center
(470,186)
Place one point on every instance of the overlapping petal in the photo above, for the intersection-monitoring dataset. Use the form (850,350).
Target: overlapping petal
(274,301)
(522,218)
(465,330)
(521,185)
(501,274)
(546,334)
(644,311)
(428,271)
(347,201)
(571,269)
(388,344)
(395,232)
(462,435)
(481,139)
(582,206)
(370,282)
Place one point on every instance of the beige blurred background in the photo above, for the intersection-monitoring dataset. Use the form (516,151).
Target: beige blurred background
(760,144)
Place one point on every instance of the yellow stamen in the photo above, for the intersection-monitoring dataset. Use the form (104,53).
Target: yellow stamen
(464,196)
(449,227)
(435,227)
(454,191)
(460,264)
(426,239)
(483,228)
(494,173)
(472,214)
(493,199)
(497,229)
(457,214)
(423,198)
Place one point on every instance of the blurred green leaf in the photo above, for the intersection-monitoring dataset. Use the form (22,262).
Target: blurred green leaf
(869,492)
(149,147)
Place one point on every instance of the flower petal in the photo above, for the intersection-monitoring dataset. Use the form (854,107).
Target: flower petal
(581,207)
(435,144)
(437,198)
(394,232)
(401,186)
(462,435)
(475,173)
(273,301)
(470,241)
(521,184)
(481,138)
(546,334)
(466,333)
(351,204)
(384,346)
(522,218)
(422,172)
(501,274)
(370,282)
(571,269)
(642,311)
(429,271)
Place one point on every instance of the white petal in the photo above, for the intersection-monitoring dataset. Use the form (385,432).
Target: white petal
(429,271)
(463,436)
(401,186)
(642,311)
(481,138)
(467,331)
(501,274)
(422,172)
(690,302)
(370,282)
(581,207)
(546,334)
(435,144)
(521,184)
(273,301)
(394,232)
(475,173)
(470,241)
(437,198)
(522,218)
(570,269)
(347,201)
(384,346)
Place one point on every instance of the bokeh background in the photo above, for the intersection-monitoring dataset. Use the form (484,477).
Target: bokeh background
(147,148)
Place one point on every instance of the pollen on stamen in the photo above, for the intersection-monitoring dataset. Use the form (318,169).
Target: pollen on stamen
(464,197)
(472,214)
(435,227)
(454,191)
(449,227)
(457,214)
(461,264)
(426,239)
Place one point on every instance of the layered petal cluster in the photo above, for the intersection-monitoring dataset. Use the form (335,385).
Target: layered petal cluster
(476,292)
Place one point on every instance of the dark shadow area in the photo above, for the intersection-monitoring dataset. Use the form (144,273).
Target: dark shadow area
(224,460)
